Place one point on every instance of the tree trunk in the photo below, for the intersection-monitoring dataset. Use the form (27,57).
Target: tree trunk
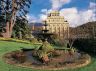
(10,24)
(6,34)
(8,29)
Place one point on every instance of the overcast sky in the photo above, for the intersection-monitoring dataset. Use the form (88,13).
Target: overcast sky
(76,12)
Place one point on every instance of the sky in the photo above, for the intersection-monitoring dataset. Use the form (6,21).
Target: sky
(76,12)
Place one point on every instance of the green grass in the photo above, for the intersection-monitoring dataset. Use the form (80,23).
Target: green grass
(6,46)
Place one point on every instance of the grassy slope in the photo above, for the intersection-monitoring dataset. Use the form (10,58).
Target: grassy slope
(6,46)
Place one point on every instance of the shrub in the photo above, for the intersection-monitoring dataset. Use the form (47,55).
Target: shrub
(44,51)
(34,40)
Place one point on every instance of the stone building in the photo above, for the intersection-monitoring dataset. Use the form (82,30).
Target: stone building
(57,24)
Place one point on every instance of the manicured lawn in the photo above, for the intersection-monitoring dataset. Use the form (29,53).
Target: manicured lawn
(6,46)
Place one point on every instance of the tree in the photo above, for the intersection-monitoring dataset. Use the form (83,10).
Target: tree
(2,24)
(10,9)
(21,31)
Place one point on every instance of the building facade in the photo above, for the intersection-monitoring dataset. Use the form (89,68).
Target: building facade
(57,24)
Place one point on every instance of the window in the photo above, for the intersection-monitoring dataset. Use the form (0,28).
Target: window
(48,20)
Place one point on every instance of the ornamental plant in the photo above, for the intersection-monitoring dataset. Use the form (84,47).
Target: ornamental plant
(44,51)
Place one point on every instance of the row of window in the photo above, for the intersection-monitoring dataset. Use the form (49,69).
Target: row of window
(57,25)
(54,14)
(58,28)
(55,20)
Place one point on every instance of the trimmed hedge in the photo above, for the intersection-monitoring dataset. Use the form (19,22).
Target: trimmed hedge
(14,40)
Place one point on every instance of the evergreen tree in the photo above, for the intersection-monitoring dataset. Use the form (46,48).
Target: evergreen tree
(9,10)
(21,31)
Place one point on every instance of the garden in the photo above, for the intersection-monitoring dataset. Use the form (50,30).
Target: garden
(24,49)
(9,46)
